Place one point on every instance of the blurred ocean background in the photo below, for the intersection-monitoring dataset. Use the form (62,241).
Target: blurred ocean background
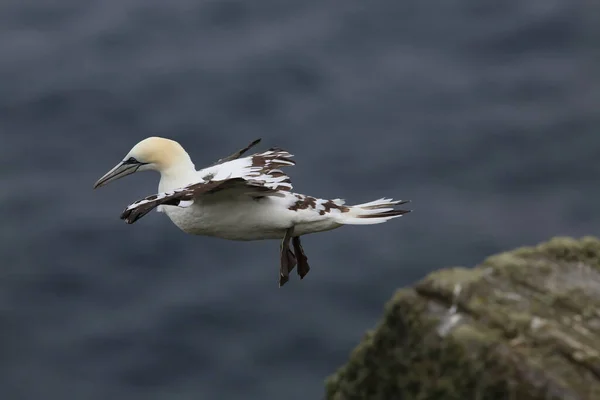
(483,113)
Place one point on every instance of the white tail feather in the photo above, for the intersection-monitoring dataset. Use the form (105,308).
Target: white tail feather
(373,212)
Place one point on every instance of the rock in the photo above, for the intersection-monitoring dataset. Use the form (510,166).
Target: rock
(523,325)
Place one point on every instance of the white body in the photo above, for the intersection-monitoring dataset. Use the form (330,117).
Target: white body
(240,217)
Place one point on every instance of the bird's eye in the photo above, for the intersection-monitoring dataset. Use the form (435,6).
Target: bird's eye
(131,160)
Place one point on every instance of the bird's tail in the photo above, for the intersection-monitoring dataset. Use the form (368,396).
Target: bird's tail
(373,212)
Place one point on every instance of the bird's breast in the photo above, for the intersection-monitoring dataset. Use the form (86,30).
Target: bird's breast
(229,220)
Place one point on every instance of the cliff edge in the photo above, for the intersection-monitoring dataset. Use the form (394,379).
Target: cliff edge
(522,325)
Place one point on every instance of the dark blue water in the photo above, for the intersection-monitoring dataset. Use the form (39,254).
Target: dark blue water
(484,113)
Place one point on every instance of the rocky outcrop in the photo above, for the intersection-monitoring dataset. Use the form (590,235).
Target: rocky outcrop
(522,325)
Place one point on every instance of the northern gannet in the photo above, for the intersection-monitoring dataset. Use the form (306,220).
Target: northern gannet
(240,198)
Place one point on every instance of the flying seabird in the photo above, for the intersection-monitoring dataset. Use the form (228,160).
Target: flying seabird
(240,198)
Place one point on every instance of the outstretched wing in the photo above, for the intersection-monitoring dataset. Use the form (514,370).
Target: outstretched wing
(260,167)
(238,153)
(184,197)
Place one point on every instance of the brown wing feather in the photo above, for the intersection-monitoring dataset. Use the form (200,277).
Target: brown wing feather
(238,153)
(266,167)
(142,207)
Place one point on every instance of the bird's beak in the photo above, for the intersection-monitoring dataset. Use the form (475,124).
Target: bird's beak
(120,170)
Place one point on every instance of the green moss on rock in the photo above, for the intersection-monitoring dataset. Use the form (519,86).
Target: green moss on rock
(522,325)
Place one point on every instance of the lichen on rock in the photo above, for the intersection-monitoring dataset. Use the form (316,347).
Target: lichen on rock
(521,325)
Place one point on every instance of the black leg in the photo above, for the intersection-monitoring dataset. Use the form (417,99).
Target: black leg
(291,261)
(288,261)
(303,266)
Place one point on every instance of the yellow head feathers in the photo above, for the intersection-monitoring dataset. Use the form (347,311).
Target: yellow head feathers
(153,153)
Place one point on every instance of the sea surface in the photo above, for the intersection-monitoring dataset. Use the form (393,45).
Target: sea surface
(485,114)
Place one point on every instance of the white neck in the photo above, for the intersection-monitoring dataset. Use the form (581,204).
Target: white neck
(176,175)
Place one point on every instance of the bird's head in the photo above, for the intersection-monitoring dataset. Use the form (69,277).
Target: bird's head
(151,154)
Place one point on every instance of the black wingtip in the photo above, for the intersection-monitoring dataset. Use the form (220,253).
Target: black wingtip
(251,145)
(126,216)
(129,220)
